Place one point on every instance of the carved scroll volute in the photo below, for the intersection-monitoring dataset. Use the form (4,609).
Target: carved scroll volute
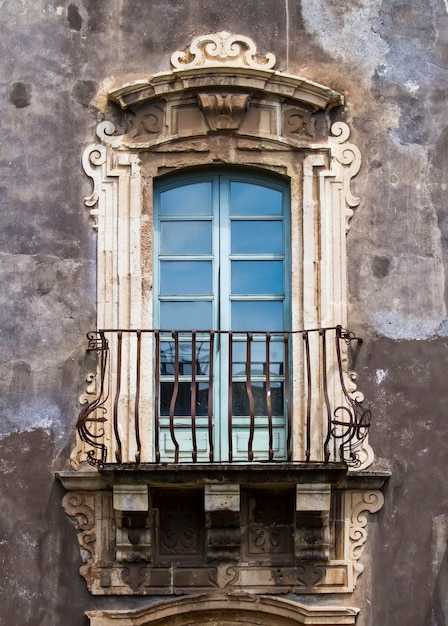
(222,49)
(359,504)
(223,111)
(79,506)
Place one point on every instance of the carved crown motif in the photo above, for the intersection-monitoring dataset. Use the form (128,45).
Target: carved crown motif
(222,48)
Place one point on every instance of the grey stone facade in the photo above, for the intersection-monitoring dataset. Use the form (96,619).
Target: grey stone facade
(389,60)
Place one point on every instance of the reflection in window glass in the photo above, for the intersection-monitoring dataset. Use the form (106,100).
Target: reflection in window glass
(194,199)
(182,406)
(258,358)
(185,277)
(168,361)
(261,315)
(240,400)
(185,237)
(257,237)
(257,277)
(181,315)
(248,199)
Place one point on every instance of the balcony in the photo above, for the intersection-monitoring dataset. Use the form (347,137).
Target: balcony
(222,397)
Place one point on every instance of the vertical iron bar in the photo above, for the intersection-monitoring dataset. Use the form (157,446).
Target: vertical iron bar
(309,395)
(194,454)
(288,396)
(250,396)
(137,398)
(157,395)
(175,336)
(230,398)
(210,396)
(118,452)
(322,333)
(268,394)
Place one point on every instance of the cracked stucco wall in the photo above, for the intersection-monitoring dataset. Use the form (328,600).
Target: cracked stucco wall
(390,60)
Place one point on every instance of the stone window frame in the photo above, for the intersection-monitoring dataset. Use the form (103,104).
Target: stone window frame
(223,103)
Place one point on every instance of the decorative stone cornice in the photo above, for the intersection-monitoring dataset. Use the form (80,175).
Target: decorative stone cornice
(224,60)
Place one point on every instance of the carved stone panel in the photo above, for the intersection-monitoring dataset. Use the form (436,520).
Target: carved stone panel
(179,525)
(268,525)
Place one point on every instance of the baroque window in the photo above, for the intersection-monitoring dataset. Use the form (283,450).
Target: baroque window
(221,354)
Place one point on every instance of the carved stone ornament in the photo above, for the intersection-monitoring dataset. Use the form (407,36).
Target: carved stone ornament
(223,110)
(221,49)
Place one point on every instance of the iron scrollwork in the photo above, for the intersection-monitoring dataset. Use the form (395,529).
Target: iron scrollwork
(97,343)
(350,423)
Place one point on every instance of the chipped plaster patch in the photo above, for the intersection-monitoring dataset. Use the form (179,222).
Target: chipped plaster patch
(412,87)
(396,325)
(334,26)
(33,415)
(380,375)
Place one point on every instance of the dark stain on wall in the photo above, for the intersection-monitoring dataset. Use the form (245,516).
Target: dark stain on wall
(84,90)
(20,94)
(73,17)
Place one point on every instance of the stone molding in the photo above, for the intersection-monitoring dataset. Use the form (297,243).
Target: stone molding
(228,610)
(321,176)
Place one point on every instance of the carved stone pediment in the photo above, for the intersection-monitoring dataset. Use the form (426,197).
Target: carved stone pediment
(222,59)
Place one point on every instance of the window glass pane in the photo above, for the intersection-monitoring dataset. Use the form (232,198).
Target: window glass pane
(250,315)
(194,199)
(256,237)
(182,405)
(185,315)
(256,277)
(185,277)
(168,361)
(258,358)
(185,238)
(240,399)
(251,199)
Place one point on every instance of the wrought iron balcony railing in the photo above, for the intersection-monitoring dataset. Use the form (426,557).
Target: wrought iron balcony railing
(222,397)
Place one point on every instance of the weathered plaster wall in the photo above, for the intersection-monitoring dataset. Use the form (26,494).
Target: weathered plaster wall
(390,59)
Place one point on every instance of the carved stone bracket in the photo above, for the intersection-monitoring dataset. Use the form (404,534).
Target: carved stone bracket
(133,536)
(222,521)
(81,508)
(312,533)
(359,504)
